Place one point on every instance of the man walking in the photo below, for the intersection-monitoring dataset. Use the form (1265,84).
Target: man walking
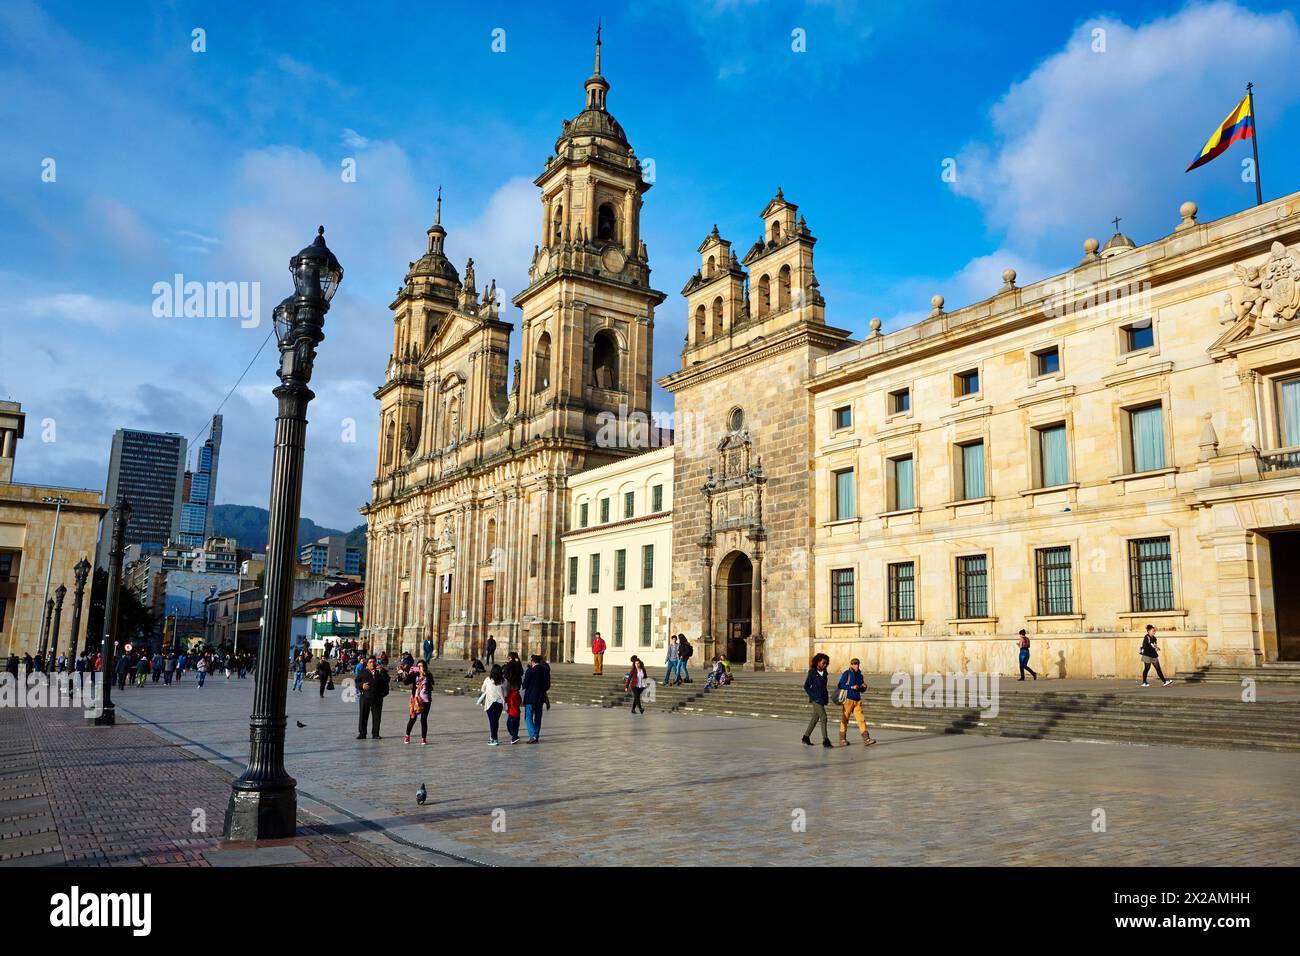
(1151,657)
(489,652)
(537,681)
(373,682)
(299,672)
(428,649)
(684,652)
(323,674)
(849,692)
(597,655)
(671,671)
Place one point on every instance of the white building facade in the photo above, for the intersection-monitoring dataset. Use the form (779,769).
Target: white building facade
(617,559)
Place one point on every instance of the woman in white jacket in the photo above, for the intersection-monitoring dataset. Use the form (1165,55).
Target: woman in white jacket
(493,699)
(636,683)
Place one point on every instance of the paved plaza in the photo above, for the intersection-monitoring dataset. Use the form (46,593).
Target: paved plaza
(604,787)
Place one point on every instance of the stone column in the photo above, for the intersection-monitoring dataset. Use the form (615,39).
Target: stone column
(756,614)
(628,245)
(706,613)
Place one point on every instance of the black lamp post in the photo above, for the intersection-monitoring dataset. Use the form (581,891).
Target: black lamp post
(107,716)
(80,572)
(60,593)
(264,801)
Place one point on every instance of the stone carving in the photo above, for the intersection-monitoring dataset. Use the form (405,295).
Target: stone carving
(448,539)
(1271,297)
(408,439)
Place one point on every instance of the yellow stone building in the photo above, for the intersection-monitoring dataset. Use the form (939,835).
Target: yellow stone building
(1081,456)
(471,490)
(28,515)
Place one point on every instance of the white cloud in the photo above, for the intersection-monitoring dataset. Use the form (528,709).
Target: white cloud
(353,140)
(1089,135)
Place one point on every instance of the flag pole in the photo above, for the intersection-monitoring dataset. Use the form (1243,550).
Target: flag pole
(1254,141)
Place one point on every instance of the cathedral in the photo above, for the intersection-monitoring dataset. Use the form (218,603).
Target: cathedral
(470,494)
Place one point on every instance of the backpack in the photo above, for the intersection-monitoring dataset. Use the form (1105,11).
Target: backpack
(684,649)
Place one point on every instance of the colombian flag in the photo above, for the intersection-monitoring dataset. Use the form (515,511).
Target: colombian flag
(1240,125)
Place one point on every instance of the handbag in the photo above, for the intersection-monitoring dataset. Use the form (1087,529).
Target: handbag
(415,706)
(841,696)
(330,685)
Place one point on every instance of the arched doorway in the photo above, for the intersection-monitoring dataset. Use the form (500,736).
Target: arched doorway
(736,579)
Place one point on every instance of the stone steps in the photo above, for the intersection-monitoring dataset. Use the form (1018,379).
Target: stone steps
(1275,672)
(1143,717)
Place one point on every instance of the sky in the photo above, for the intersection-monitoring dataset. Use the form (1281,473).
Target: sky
(929,145)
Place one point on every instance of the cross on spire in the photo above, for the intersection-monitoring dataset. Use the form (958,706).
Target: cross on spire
(598,48)
(437,216)
(1116,221)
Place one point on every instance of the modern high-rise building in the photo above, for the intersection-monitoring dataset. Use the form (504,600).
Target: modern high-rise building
(148,469)
(200,491)
(331,553)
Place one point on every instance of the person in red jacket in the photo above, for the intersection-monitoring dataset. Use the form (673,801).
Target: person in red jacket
(598,655)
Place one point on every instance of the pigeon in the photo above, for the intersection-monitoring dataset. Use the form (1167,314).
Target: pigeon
(300,723)
(421,795)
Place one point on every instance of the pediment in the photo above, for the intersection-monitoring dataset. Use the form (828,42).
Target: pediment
(452,333)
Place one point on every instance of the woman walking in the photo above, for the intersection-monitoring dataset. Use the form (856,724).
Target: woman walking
(494,699)
(815,687)
(421,682)
(1151,658)
(1023,644)
(636,683)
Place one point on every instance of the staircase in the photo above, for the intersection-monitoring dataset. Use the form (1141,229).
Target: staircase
(1274,672)
(1141,717)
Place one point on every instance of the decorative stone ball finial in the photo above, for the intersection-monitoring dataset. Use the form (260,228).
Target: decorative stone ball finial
(1008,278)
(1090,246)
(1188,211)
(936,304)
(875,327)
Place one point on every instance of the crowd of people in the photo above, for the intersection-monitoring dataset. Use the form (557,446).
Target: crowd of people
(140,665)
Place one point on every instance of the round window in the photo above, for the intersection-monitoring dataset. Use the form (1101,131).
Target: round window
(737,420)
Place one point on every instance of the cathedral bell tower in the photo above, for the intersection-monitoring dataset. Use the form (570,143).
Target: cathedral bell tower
(588,310)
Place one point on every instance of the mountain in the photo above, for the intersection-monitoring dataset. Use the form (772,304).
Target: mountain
(247,524)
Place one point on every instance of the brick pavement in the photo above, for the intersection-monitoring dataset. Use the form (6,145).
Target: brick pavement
(607,788)
(94,796)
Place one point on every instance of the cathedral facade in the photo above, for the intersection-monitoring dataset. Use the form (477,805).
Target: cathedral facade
(470,496)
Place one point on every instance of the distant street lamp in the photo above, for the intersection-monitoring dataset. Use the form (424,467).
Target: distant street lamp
(60,593)
(113,610)
(58,501)
(264,800)
(80,571)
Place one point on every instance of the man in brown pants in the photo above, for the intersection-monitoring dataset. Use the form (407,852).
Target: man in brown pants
(854,685)
(598,655)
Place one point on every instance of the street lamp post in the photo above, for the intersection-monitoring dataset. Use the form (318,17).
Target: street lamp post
(112,611)
(60,593)
(79,572)
(58,501)
(264,801)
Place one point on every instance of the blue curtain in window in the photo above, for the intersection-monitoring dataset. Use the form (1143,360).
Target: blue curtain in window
(1291,413)
(1148,439)
(903,498)
(844,506)
(972,467)
(1056,463)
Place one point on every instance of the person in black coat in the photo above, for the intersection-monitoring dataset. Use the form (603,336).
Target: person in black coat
(537,681)
(815,687)
(323,675)
(490,651)
(373,685)
(11,665)
(1150,655)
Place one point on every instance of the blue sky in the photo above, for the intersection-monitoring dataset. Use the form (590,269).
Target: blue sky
(220,164)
